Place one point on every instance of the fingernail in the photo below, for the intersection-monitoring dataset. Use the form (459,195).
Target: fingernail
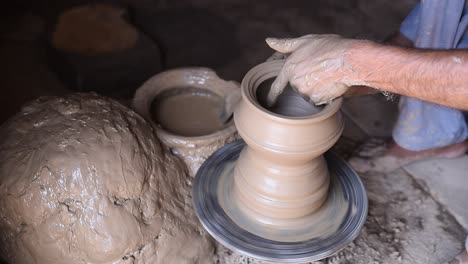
(271,41)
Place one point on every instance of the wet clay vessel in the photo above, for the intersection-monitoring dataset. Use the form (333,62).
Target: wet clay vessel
(281,174)
(187,81)
(275,196)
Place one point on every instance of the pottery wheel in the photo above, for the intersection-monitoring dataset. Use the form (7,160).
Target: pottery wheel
(346,206)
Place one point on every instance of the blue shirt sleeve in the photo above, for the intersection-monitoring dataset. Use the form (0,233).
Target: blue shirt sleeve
(409,27)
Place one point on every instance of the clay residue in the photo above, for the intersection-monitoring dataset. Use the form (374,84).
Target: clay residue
(84,180)
(189,112)
(94,29)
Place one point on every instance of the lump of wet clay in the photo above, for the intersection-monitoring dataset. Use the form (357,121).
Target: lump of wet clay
(94,29)
(84,180)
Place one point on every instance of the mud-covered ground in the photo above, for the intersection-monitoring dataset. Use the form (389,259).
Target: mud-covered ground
(405,225)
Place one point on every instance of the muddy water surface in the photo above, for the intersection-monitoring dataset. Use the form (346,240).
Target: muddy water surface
(187,111)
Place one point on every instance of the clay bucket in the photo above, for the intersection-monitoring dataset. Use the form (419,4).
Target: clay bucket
(192,149)
(281,174)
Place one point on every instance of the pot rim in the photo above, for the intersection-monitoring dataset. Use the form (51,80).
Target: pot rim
(142,103)
(271,69)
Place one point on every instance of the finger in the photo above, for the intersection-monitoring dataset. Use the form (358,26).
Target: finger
(276,56)
(278,86)
(329,93)
(286,45)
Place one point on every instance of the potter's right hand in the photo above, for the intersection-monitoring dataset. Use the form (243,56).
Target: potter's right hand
(316,66)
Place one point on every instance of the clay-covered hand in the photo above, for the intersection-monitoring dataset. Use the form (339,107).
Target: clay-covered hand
(316,66)
(277,56)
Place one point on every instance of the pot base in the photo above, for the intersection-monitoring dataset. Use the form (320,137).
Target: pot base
(309,238)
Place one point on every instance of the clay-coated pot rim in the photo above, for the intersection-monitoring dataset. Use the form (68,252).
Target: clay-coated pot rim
(199,76)
(228,129)
(270,69)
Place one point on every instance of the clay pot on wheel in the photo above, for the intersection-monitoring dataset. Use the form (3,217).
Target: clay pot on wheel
(178,103)
(276,197)
(281,174)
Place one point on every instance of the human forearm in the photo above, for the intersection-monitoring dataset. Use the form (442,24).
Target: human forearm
(396,39)
(325,66)
(436,76)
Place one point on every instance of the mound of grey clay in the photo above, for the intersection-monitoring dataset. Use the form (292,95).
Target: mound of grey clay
(84,180)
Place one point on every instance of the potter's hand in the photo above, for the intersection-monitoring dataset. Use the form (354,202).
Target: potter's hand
(316,66)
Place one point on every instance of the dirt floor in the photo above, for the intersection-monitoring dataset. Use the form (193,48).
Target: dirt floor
(407,223)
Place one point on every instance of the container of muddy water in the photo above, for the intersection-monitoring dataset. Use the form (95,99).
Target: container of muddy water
(186,107)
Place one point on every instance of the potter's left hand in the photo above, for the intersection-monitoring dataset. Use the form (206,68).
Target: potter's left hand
(316,66)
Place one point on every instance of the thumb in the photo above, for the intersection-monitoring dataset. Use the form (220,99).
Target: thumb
(286,45)
(277,87)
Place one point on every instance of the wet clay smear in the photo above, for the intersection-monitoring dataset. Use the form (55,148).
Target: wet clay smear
(188,111)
